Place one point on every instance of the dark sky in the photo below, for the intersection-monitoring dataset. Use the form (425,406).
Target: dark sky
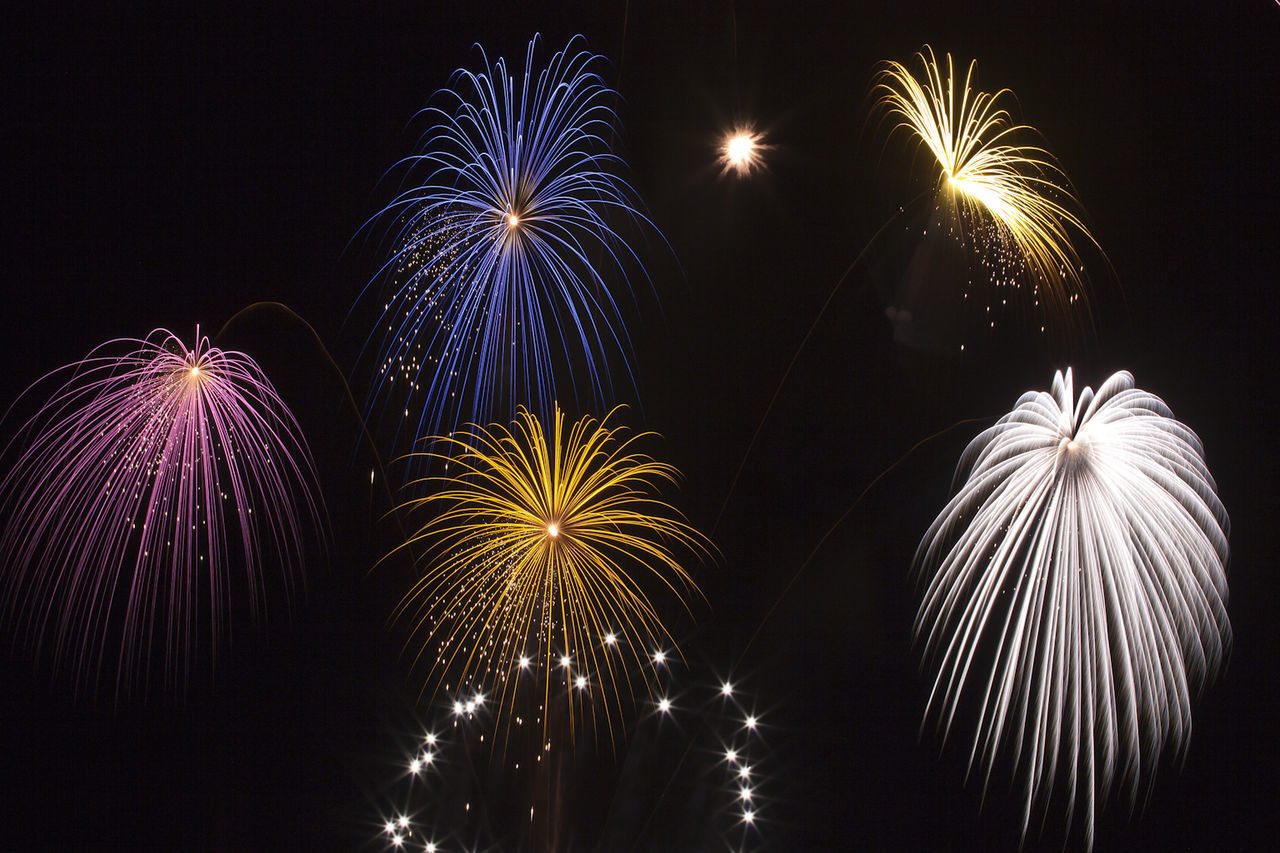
(169,168)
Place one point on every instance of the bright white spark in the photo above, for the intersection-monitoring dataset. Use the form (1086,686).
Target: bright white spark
(726,689)
(740,151)
(659,657)
(664,705)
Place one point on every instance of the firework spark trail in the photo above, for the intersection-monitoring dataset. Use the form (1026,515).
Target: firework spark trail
(998,190)
(136,490)
(493,290)
(1010,197)
(540,548)
(455,792)
(1087,547)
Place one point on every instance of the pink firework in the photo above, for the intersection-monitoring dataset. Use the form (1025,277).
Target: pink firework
(146,489)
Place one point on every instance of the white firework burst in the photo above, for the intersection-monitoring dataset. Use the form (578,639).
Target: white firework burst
(1076,593)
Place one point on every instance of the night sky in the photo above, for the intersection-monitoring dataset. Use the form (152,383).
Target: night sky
(168,169)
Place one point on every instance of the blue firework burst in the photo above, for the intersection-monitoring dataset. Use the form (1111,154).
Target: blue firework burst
(504,247)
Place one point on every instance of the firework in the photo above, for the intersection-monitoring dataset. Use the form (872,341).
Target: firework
(1010,197)
(740,151)
(540,554)
(699,773)
(1086,549)
(505,249)
(137,491)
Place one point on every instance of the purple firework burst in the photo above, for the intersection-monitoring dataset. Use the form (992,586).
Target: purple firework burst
(137,497)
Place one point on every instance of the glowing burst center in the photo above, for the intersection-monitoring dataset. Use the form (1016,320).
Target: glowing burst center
(512,220)
(741,150)
(552,530)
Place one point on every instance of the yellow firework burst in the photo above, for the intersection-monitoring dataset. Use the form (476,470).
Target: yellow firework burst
(539,558)
(988,174)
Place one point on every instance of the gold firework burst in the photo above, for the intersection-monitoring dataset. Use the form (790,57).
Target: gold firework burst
(988,175)
(539,555)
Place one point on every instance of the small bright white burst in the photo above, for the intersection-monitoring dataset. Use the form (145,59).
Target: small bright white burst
(664,705)
(553,530)
(744,772)
(659,657)
(726,689)
(389,827)
(610,638)
(415,766)
(565,661)
(751,722)
(458,707)
(731,756)
(402,822)
(748,816)
(1082,565)
(524,661)
(740,151)
(581,682)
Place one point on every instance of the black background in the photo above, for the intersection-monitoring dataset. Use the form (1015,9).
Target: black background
(166,168)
